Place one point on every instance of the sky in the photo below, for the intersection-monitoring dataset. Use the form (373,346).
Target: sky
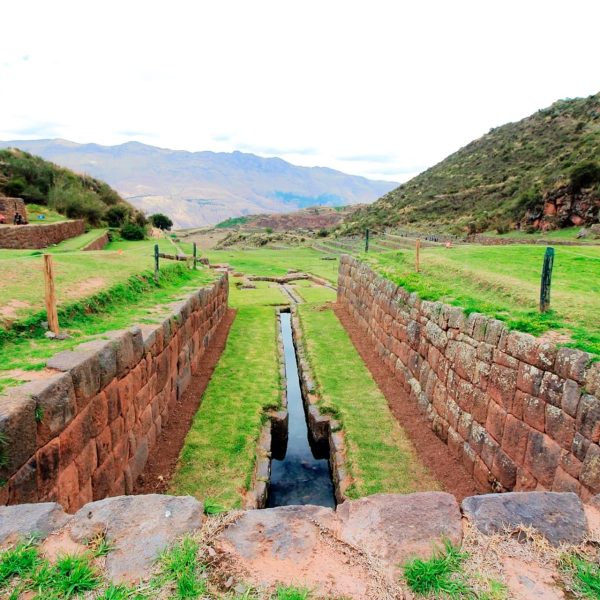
(382,89)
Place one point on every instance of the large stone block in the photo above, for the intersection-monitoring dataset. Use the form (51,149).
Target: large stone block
(26,520)
(559,517)
(139,527)
(17,429)
(85,371)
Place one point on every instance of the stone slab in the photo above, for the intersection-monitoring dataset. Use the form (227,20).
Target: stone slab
(26,520)
(559,517)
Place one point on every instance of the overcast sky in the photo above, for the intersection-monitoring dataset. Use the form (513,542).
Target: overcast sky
(382,89)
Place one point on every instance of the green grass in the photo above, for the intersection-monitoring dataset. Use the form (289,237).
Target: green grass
(291,593)
(138,300)
(265,294)
(271,262)
(180,566)
(316,293)
(219,451)
(504,281)
(440,576)
(77,274)
(380,456)
(50,216)
(584,574)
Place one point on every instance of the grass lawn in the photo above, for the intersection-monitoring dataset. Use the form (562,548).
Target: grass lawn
(219,452)
(271,262)
(129,304)
(315,293)
(380,456)
(504,282)
(77,274)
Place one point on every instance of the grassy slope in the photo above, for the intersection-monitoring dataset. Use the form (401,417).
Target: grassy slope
(380,456)
(486,177)
(504,282)
(128,306)
(218,456)
(78,274)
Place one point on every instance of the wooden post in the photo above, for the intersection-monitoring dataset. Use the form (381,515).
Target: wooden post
(417,252)
(195,255)
(366,240)
(156,263)
(50,295)
(546,280)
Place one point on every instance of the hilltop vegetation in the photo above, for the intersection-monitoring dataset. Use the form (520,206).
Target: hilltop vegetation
(40,182)
(498,179)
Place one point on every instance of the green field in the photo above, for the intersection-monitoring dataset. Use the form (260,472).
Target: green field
(381,459)
(504,282)
(219,452)
(138,300)
(77,274)
(271,262)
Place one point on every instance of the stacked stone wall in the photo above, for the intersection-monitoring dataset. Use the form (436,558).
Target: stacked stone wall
(98,243)
(9,207)
(520,413)
(39,235)
(85,432)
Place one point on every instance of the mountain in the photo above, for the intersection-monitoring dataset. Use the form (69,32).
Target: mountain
(200,188)
(541,172)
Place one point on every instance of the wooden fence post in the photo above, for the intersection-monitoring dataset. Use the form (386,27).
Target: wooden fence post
(156,263)
(195,255)
(51,311)
(366,240)
(417,253)
(546,280)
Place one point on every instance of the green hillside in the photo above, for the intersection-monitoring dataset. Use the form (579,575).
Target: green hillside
(494,180)
(40,182)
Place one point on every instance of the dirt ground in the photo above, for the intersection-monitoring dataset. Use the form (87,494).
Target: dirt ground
(430,449)
(163,459)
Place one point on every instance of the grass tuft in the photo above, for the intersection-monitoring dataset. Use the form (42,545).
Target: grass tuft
(291,593)
(585,575)
(440,575)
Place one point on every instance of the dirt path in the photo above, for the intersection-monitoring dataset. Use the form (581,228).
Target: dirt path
(431,450)
(163,459)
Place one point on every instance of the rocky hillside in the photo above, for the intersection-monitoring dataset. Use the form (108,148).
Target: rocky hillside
(204,188)
(540,172)
(40,182)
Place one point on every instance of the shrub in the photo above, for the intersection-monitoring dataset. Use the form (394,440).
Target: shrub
(585,174)
(116,215)
(140,219)
(132,231)
(322,232)
(70,198)
(161,221)
(269,230)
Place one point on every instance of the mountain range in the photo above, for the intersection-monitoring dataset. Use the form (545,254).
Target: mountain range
(204,188)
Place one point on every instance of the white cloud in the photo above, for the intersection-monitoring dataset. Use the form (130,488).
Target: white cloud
(373,87)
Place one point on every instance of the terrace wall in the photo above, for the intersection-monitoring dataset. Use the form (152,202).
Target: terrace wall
(98,243)
(85,432)
(39,235)
(520,413)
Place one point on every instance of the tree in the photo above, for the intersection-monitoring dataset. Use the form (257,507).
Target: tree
(131,231)
(117,215)
(161,221)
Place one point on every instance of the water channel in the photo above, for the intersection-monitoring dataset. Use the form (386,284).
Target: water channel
(303,475)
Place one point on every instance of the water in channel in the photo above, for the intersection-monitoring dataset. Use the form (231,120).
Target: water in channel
(302,476)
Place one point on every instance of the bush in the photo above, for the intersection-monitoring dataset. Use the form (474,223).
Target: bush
(140,219)
(322,233)
(161,221)
(117,215)
(585,174)
(132,231)
(70,198)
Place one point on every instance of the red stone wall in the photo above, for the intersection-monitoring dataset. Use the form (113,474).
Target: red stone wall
(39,235)
(98,243)
(85,433)
(521,414)
(10,206)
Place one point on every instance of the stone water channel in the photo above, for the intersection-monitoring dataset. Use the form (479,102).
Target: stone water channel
(300,472)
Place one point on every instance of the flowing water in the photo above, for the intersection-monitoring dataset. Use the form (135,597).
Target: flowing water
(302,476)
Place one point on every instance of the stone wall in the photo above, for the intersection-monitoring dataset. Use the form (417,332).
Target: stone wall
(85,432)
(98,243)
(11,206)
(520,413)
(39,235)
